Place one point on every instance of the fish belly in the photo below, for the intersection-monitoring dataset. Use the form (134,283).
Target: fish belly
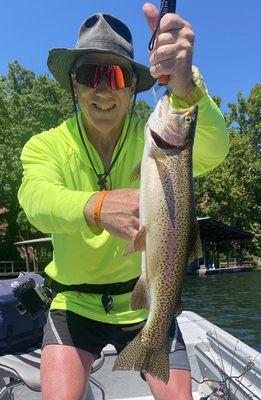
(167,211)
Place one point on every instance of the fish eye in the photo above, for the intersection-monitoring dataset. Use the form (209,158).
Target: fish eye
(188,119)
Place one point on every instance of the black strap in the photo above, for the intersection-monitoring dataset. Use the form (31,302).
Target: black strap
(107,301)
(107,290)
(166,6)
(114,288)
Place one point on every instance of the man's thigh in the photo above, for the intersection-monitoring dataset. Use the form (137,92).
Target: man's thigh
(70,345)
(65,372)
(64,327)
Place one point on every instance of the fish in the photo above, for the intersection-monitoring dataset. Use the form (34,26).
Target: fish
(169,234)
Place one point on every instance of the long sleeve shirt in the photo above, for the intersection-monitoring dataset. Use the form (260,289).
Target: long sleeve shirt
(58,181)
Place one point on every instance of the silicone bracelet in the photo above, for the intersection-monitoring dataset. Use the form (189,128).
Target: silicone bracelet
(98,206)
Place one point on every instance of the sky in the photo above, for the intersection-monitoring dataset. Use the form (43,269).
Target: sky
(227,32)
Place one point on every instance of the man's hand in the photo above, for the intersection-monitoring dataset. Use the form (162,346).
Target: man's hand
(172,51)
(119,213)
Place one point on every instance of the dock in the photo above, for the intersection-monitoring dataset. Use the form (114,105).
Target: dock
(229,270)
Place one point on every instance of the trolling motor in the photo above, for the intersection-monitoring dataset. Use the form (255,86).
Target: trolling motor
(34,298)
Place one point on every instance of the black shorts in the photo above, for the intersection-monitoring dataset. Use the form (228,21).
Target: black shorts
(71,329)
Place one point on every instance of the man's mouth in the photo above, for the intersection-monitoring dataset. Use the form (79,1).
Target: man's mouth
(103,107)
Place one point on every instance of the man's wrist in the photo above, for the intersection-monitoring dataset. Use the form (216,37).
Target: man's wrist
(182,91)
(197,91)
(88,212)
(98,206)
(191,98)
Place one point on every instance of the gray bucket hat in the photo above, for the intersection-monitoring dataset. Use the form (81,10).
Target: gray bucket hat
(100,33)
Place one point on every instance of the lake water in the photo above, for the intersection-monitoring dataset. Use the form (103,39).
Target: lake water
(232,301)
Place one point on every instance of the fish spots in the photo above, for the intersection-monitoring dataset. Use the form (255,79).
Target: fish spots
(168,212)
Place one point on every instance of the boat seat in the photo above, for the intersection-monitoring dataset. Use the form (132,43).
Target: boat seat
(23,368)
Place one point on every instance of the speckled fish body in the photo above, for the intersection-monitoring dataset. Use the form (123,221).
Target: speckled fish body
(170,231)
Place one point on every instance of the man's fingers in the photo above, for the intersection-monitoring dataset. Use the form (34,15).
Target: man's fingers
(152,15)
(170,22)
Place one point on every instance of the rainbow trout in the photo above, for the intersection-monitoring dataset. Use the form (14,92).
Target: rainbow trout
(169,232)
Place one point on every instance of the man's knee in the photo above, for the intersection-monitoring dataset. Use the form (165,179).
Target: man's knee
(177,388)
(64,370)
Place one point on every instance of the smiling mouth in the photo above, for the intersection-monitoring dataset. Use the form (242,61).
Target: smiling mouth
(105,108)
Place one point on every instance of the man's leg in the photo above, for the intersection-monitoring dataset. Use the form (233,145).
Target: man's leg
(65,372)
(71,343)
(177,388)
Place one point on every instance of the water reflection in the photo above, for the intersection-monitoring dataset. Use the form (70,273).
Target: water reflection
(231,301)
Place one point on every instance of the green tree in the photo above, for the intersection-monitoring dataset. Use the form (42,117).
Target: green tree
(28,105)
(231,192)
(142,110)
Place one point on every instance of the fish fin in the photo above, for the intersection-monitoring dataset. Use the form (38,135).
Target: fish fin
(138,243)
(196,245)
(135,356)
(135,175)
(140,295)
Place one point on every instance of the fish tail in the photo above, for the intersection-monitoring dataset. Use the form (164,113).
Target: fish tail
(135,356)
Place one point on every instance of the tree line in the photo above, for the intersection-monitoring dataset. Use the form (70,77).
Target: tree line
(30,104)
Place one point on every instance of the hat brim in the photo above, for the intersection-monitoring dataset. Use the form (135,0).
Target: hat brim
(61,61)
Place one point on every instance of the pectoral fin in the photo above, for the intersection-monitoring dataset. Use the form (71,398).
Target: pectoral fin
(138,243)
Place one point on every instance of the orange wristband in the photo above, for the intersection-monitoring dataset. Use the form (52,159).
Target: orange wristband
(98,206)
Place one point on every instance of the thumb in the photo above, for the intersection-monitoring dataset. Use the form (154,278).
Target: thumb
(152,15)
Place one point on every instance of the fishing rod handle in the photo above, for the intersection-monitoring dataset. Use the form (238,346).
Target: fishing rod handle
(166,6)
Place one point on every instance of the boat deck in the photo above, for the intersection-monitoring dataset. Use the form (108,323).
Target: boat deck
(213,354)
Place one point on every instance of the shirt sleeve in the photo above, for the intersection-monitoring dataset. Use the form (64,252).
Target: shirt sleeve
(211,144)
(49,205)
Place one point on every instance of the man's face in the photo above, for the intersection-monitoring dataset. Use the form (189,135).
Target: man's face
(102,107)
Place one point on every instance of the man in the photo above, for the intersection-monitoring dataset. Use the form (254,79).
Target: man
(65,173)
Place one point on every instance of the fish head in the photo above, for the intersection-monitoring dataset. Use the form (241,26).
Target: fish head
(171,129)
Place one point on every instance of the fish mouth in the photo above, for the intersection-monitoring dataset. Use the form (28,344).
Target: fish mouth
(162,144)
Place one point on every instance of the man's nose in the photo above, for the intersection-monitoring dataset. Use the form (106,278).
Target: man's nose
(103,85)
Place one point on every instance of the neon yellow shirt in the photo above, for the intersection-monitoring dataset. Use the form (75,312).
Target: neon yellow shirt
(58,180)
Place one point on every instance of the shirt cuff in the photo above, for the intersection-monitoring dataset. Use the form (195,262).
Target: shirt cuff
(189,100)
(195,95)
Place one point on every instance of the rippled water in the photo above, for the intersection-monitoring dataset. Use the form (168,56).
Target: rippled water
(231,301)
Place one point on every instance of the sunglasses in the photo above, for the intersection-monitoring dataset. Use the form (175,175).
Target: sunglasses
(117,77)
